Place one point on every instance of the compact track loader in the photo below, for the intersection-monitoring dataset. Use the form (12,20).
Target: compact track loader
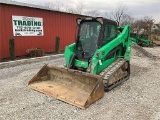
(98,61)
(141,39)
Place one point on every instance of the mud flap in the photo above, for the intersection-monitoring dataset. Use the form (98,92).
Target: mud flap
(75,87)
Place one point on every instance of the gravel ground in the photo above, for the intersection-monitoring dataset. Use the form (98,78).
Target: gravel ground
(136,99)
(155,51)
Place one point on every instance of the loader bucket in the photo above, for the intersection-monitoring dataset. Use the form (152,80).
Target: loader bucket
(72,86)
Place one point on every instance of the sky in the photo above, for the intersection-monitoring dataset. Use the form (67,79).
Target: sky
(135,8)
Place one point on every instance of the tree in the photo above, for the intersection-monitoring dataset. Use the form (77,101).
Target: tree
(70,10)
(145,23)
(56,5)
(93,13)
(127,20)
(80,6)
(118,13)
(149,23)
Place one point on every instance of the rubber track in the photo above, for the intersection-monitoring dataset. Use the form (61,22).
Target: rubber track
(111,70)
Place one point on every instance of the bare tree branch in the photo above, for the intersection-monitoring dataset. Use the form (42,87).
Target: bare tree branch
(80,6)
(56,5)
(69,10)
(127,19)
(93,13)
(118,12)
(144,25)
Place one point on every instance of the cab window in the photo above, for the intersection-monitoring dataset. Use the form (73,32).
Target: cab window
(110,33)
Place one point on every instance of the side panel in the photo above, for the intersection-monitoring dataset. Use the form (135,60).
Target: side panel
(69,51)
(128,50)
(100,63)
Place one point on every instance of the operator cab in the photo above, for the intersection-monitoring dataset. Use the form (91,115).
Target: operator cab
(93,33)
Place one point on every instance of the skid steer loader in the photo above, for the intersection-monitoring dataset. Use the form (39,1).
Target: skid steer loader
(98,61)
(141,39)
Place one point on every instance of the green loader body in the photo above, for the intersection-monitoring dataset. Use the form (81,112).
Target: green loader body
(119,47)
(141,40)
(97,62)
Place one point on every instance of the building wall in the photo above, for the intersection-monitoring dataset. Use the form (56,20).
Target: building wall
(54,24)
